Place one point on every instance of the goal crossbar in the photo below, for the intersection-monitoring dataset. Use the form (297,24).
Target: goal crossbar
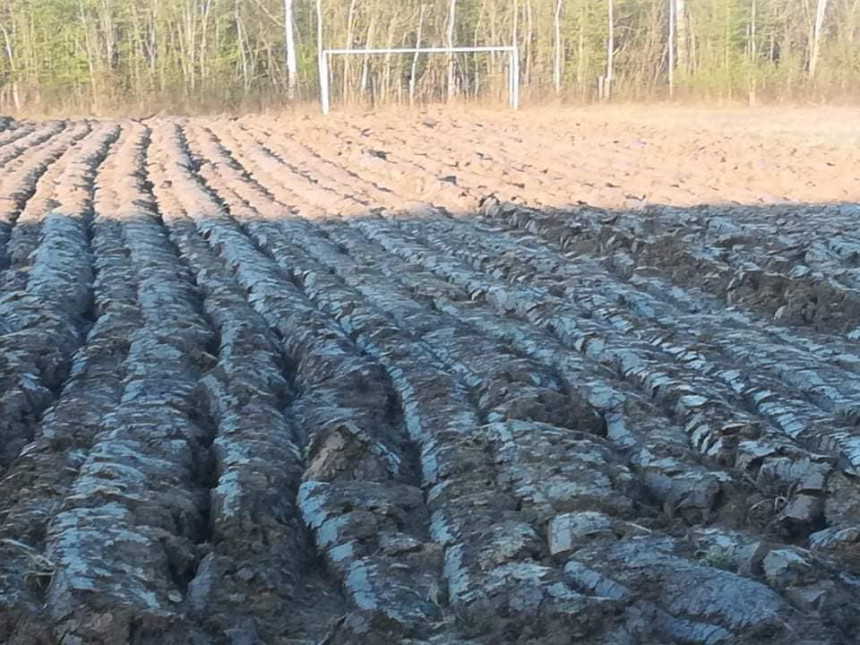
(511,51)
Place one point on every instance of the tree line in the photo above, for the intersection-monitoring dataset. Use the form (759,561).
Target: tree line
(195,55)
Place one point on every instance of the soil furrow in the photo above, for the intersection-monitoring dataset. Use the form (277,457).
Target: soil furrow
(348,423)
(136,516)
(800,298)
(716,428)
(47,322)
(13,129)
(389,378)
(799,362)
(659,458)
(257,459)
(20,182)
(39,480)
(320,287)
(34,139)
(523,451)
(604,298)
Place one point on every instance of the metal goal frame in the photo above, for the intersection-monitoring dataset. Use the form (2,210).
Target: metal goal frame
(513,66)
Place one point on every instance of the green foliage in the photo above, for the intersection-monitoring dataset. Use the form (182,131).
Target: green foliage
(191,55)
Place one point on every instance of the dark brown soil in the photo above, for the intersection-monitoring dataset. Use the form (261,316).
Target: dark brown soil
(430,378)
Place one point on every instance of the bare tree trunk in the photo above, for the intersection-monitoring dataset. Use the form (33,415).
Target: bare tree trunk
(476,42)
(10,54)
(188,40)
(290,47)
(452,9)
(350,23)
(820,10)
(323,68)
(493,13)
(365,67)
(556,66)
(727,50)
(515,28)
(319,28)
(414,69)
(153,43)
(529,54)
(203,40)
(240,43)
(384,91)
(671,48)
(106,29)
(682,59)
(692,38)
(92,53)
(610,49)
(753,54)
(849,28)
(580,58)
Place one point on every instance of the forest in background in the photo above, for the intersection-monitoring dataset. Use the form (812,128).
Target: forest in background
(138,56)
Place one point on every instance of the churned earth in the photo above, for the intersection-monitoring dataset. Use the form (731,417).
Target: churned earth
(449,376)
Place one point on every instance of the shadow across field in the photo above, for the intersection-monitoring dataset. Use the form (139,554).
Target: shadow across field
(502,426)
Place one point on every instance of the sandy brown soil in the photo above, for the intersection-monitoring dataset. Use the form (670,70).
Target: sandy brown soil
(612,156)
(457,376)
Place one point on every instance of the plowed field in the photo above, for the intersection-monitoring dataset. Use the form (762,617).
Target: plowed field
(430,378)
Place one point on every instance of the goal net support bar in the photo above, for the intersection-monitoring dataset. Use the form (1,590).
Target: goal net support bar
(511,51)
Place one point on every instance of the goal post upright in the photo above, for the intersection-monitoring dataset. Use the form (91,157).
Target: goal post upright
(324,97)
(514,68)
(513,65)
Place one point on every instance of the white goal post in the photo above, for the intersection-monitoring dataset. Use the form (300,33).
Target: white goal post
(511,51)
